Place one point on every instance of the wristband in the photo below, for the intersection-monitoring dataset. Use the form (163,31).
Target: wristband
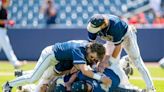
(97,77)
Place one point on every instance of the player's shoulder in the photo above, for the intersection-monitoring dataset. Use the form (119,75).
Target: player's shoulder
(79,51)
(73,42)
(110,16)
(78,41)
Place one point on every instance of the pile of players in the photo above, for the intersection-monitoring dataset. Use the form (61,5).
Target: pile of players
(88,66)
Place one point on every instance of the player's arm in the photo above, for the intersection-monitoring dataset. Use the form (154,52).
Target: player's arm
(71,80)
(85,71)
(116,51)
(10,22)
(92,37)
(113,58)
(109,58)
(80,63)
(2,21)
(117,42)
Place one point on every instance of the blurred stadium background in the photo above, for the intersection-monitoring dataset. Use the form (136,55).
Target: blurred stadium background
(26,13)
(31,33)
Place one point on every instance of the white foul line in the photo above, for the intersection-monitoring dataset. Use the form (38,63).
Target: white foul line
(140,78)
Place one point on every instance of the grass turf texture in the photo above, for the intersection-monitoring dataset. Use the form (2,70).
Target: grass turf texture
(157,73)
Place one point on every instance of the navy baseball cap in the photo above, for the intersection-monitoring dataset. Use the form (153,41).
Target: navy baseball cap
(79,86)
(95,22)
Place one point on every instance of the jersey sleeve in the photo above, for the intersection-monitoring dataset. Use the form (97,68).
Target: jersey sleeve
(91,36)
(78,57)
(81,76)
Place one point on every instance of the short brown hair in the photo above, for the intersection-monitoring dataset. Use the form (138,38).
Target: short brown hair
(98,48)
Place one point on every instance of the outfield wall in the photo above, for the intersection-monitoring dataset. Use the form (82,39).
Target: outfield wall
(28,43)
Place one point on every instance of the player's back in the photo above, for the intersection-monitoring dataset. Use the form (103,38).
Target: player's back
(116,29)
(63,51)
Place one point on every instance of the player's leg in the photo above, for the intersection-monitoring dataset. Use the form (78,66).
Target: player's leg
(120,72)
(131,47)
(115,66)
(47,76)
(19,73)
(109,47)
(125,63)
(44,80)
(0,47)
(5,43)
(46,59)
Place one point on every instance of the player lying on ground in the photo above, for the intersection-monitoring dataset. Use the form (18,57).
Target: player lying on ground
(63,56)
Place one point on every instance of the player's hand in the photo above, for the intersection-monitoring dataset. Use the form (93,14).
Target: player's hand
(106,81)
(11,22)
(68,86)
(73,70)
(101,66)
(44,87)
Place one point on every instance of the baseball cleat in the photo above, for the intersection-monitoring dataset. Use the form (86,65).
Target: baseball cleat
(7,87)
(19,64)
(18,73)
(128,70)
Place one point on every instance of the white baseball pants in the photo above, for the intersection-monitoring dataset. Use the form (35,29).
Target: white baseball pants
(6,46)
(46,61)
(131,47)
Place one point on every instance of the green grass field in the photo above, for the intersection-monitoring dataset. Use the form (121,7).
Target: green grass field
(157,73)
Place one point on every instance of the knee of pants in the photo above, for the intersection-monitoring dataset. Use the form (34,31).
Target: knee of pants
(32,78)
(46,50)
(134,57)
(139,63)
(48,74)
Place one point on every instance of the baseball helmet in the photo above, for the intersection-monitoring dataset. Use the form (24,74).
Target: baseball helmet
(59,88)
(95,22)
(79,86)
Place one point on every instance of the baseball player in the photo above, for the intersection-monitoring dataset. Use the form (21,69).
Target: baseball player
(63,84)
(80,83)
(92,85)
(111,28)
(63,56)
(4,39)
